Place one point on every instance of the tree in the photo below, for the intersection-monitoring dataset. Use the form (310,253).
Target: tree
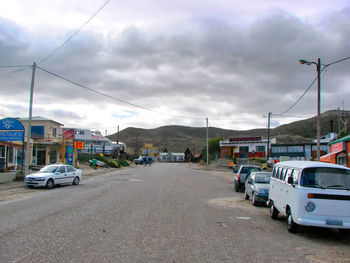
(214,148)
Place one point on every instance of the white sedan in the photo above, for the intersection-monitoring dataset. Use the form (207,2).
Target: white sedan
(54,174)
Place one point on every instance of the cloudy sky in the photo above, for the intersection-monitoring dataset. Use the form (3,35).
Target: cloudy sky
(178,61)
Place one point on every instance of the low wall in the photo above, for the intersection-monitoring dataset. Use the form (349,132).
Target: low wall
(7,177)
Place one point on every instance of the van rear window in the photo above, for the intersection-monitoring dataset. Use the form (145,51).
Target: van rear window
(322,177)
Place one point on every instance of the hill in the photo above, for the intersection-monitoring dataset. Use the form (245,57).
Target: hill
(178,138)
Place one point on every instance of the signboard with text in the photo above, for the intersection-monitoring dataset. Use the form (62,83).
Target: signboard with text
(11,130)
(79,145)
(338,147)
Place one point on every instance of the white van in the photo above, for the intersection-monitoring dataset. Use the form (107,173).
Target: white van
(310,194)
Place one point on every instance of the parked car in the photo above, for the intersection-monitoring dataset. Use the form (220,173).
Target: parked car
(139,160)
(310,194)
(54,174)
(241,176)
(257,187)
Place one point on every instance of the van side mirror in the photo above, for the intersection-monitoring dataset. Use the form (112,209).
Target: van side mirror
(290,180)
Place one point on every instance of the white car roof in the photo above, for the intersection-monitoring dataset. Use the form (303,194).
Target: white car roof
(308,164)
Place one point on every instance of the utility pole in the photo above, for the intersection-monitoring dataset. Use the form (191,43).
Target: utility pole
(118,135)
(207,142)
(318,107)
(268,137)
(29,131)
(338,122)
(318,68)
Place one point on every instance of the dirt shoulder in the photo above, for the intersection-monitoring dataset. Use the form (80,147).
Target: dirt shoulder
(17,189)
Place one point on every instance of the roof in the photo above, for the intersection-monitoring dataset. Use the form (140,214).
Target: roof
(39,118)
(344,139)
(308,164)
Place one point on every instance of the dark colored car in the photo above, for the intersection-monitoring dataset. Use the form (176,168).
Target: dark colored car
(241,176)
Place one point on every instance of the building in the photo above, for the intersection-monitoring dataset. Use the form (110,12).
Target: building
(245,147)
(46,138)
(296,151)
(168,157)
(149,150)
(339,152)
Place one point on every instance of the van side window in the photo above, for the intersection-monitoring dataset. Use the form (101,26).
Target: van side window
(287,174)
(274,172)
(282,172)
(278,172)
(295,175)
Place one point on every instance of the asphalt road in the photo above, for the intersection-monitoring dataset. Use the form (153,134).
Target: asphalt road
(164,213)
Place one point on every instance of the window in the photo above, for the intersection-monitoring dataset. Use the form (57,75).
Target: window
(260,148)
(54,132)
(322,177)
(70,168)
(295,175)
(279,149)
(62,169)
(38,132)
(295,149)
(274,172)
(288,174)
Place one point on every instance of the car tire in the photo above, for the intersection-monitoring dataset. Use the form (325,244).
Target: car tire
(273,211)
(246,196)
(50,184)
(292,227)
(76,180)
(236,187)
(253,199)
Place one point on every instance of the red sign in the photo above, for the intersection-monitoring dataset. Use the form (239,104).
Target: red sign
(245,139)
(337,147)
(79,145)
(68,134)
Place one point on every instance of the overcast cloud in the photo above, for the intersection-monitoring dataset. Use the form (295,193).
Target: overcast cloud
(230,61)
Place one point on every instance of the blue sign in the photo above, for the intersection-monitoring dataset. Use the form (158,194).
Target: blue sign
(11,130)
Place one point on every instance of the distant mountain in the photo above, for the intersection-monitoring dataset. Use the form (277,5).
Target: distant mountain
(178,138)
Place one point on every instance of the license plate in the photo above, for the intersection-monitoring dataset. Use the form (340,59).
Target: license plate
(334,222)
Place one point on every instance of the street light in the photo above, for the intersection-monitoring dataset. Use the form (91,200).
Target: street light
(318,68)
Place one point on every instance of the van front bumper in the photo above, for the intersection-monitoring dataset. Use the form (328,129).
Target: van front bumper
(324,223)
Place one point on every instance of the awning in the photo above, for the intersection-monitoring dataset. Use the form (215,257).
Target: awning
(327,158)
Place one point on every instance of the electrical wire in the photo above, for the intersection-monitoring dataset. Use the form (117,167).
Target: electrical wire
(325,66)
(295,103)
(74,34)
(15,66)
(335,62)
(114,98)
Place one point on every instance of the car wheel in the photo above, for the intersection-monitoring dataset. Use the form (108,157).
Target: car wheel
(273,211)
(76,180)
(253,199)
(50,184)
(292,227)
(246,196)
(236,187)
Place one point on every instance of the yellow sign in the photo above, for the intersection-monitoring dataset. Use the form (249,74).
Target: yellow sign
(79,145)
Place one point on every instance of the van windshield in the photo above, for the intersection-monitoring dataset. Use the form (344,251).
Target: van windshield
(321,177)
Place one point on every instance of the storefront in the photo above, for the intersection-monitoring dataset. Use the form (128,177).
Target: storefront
(339,152)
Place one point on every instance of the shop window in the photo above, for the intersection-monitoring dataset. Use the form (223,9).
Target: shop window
(260,148)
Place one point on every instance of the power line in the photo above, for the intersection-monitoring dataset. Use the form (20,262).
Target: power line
(15,66)
(74,34)
(335,62)
(295,103)
(114,98)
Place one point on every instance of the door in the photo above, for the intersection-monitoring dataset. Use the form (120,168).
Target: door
(61,175)
(70,173)
(243,151)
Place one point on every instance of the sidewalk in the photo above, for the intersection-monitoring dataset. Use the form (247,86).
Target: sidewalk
(85,169)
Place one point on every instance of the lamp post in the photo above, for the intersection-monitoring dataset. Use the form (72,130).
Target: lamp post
(318,68)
